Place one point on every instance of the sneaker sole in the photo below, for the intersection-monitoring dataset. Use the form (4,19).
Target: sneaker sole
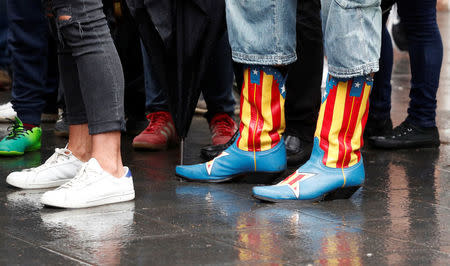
(17,153)
(103,201)
(11,153)
(36,186)
(154,147)
(405,145)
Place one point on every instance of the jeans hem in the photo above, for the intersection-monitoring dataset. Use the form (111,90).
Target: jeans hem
(361,70)
(269,60)
(32,118)
(106,126)
(420,122)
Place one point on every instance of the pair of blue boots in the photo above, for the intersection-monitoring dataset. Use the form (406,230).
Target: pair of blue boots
(335,169)
(313,181)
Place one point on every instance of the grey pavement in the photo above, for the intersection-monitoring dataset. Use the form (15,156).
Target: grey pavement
(400,217)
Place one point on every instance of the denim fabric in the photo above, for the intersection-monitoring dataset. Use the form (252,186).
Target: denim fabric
(352,32)
(263,32)
(425,51)
(4,56)
(33,61)
(155,97)
(217,85)
(90,68)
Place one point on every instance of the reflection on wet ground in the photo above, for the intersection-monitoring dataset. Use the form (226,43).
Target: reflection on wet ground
(400,217)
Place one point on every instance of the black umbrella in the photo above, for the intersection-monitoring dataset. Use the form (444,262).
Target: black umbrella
(180,36)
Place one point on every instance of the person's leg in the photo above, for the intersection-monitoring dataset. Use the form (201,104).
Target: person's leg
(425,52)
(28,44)
(335,169)
(80,142)
(379,121)
(50,111)
(82,28)
(64,164)
(155,97)
(160,132)
(303,83)
(218,94)
(259,148)
(93,52)
(217,88)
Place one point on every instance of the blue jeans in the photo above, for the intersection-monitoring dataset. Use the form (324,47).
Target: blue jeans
(263,32)
(425,52)
(217,84)
(4,56)
(33,63)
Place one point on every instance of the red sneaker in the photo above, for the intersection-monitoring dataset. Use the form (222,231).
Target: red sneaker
(222,128)
(159,134)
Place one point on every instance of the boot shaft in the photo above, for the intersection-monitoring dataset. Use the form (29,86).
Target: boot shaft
(262,108)
(342,118)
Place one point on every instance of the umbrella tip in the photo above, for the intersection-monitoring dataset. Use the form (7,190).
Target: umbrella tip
(182,151)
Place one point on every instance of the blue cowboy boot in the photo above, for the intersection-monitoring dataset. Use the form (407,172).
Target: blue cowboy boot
(259,148)
(335,169)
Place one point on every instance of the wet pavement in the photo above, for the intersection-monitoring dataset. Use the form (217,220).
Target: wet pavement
(401,216)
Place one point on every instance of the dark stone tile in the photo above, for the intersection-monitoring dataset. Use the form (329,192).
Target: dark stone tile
(184,249)
(18,252)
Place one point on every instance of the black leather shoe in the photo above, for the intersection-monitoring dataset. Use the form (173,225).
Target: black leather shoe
(211,151)
(378,127)
(297,151)
(407,135)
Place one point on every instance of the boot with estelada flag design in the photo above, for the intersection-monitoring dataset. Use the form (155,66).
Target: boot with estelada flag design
(335,169)
(259,148)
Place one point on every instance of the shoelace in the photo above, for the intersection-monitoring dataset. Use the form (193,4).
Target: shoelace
(83,174)
(402,129)
(223,126)
(58,156)
(15,130)
(157,121)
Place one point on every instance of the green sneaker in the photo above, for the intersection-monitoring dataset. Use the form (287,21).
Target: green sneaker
(20,140)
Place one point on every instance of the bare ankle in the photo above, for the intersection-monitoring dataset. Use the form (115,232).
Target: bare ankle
(114,170)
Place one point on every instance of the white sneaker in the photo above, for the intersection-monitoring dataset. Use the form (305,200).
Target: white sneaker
(57,170)
(7,112)
(92,186)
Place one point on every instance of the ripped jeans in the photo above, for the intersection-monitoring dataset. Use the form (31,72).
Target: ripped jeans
(90,69)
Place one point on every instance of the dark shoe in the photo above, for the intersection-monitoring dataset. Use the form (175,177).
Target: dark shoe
(211,151)
(297,150)
(378,127)
(61,126)
(407,135)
